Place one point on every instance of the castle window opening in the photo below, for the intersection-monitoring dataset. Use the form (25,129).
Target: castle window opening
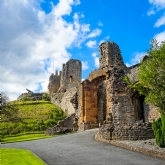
(71,79)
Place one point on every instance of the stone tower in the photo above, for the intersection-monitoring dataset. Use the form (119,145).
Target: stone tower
(71,74)
(110,55)
(54,83)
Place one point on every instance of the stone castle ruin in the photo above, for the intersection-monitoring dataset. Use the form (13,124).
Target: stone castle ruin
(103,100)
(63,88)
(30,95)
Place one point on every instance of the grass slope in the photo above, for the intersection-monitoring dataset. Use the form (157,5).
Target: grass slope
(32,116)
(25,137)
(10,156)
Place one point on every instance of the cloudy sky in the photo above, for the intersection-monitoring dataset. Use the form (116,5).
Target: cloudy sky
(37,34)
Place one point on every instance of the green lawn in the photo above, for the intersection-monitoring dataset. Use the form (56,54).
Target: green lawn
(23,138)
(29,116)
(11,156)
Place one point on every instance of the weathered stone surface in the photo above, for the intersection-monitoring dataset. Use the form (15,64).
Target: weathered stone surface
(105,98)
(136,131)
(150,113)
(54,83)
(102,102)
(71,75)
(110,55)
(31,96)
(67,101)
(64,126)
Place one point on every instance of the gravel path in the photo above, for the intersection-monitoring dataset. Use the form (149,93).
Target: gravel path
(82,149)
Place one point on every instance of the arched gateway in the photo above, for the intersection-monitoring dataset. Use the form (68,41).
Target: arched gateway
(88,100)
(97,105)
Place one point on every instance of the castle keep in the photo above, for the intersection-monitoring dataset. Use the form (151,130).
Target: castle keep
(103,98)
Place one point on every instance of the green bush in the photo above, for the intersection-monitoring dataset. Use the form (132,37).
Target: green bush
(158,127)
(45,97)
(163,127)
(50,123)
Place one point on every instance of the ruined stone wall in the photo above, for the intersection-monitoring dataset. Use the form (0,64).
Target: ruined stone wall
(56,98)
(135,131)
(110,55)
(105,95)
(118,99)
(71,74)
(132,72)
(54,83)
(31,96)
(67,101)
(65,86)
(64,126)
(151,113)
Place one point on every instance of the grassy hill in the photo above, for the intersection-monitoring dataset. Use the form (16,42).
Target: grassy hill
(30,116)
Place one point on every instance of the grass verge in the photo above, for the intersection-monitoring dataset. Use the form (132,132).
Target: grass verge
(11,156)
(24,137)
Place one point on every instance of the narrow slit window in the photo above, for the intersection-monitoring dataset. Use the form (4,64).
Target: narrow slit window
(70,79)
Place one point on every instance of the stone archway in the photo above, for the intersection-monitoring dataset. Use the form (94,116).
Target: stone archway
(90,116)
(118,100)
(101,102)
(138,102)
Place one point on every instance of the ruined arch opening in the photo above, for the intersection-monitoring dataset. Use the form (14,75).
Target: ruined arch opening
(138,103)
(101,102)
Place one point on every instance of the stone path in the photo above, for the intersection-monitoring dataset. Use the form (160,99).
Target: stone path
(82,149)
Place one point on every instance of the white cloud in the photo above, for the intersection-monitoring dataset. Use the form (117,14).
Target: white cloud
(127,64)
(77,2)
(158,3)
(136,59)
(100,23)
(151,12)
(31,40)
(104,40)
(96,62)
(94,33)
(160,21)
(94,54)
(96,59)
(85,65)
(91,44)
(160,37)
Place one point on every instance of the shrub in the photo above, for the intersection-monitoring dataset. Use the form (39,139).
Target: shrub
(50,123)
(158,127)
(45,97)
(163,127)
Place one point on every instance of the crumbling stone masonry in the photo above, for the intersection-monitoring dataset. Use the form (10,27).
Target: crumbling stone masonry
(64,126)
(104,99)
(54,83)
(66,85)
(30,95)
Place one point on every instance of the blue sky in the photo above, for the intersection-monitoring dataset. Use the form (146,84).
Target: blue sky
(35,34)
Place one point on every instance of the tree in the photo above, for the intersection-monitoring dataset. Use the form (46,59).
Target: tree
(151,84)
(4,99)
(152,75)
(9,111)
(46,96)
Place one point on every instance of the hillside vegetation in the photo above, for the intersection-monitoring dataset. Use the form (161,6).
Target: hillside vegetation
(30,116)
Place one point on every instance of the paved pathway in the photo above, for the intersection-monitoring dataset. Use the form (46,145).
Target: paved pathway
(82,149)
